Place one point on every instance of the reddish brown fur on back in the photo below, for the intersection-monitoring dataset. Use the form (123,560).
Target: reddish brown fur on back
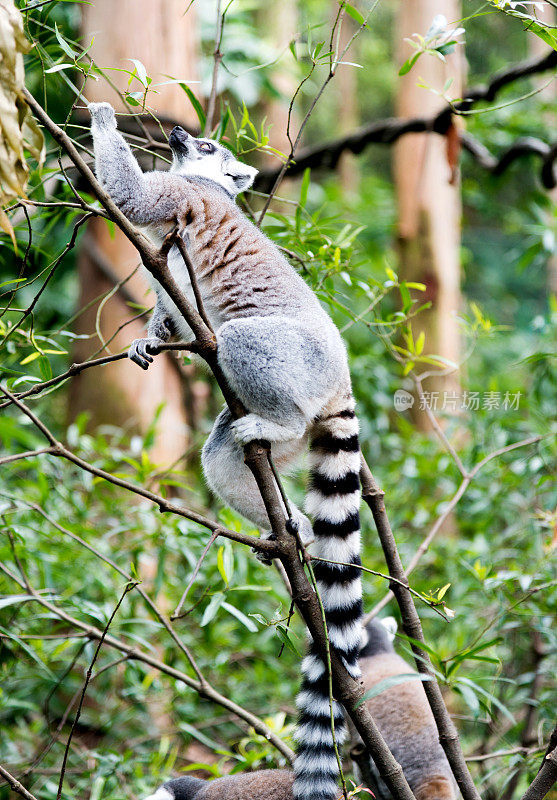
(267,784)
(435,789)
(407,706)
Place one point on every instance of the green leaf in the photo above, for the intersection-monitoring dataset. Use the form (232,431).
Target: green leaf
(407,66)
(60,67)
(442,592)
(12,280)
(196,104)
(63,44)
(45,368)
(31,357)
(304,188)
(406,299)
(284,636)
(488,696)
(388,683)
(201,737)
(420,341)
(220,564)
(14,599)
(251,626)
(354,13)
(212,609)
(29,650)
(141,72)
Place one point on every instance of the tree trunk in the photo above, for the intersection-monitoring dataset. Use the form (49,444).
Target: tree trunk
(548,93)
(163,37)
(428,193)
(279,24)
(347,106)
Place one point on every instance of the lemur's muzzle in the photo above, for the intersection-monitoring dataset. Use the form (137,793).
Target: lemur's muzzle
(178,139)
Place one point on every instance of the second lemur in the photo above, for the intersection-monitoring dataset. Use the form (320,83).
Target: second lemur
(285,360)
(405,721)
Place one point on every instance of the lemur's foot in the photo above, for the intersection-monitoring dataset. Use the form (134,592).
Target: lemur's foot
(102,114)
(298,525)
(252,427)
(142,351)
(270,536)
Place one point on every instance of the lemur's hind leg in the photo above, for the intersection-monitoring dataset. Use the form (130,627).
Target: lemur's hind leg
(280,371)
(229,478)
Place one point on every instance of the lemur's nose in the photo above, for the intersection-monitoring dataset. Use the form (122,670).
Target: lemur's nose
(178,136)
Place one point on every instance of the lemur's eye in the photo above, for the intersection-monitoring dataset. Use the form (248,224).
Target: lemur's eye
(206,147)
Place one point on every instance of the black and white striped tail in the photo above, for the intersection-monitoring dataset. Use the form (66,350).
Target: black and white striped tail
(333,501)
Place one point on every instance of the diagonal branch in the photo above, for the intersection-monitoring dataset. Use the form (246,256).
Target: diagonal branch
(547,774)
(206,691)
(448,736)
(59,450)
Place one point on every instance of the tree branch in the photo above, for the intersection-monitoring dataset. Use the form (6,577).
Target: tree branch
(75,369)
(448,736)
(547,774)
(387,131)
(16,785)
(206,691)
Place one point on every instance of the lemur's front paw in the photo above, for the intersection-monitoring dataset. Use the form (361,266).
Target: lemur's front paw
(261,556)
(143,350)
(247,429)
(102,114)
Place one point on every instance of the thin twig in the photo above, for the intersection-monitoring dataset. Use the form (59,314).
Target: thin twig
(176,614)
(449,508)
(217,58)
(127,589)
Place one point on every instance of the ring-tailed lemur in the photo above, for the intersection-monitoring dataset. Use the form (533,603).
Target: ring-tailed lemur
(404,718)
(286,362)
(267,784)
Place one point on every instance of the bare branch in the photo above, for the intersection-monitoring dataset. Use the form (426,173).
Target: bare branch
(176,614)
(16,785)
(127,589)
(547,774)
(27,454)
(448,736)
(217,58)
(75,369)
(387,131)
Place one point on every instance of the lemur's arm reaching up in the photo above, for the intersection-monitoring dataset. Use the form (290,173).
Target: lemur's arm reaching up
(145,198)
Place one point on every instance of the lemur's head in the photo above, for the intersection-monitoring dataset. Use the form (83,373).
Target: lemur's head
(208,159)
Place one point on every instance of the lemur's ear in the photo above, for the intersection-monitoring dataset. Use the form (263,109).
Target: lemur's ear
(242,174)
